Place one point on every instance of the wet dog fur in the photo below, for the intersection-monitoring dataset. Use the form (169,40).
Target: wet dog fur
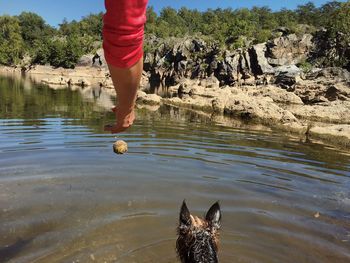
(198,238)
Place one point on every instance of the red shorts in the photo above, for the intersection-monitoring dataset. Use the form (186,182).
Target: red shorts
(123,31)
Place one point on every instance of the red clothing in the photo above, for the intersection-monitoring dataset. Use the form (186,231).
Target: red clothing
(123,31)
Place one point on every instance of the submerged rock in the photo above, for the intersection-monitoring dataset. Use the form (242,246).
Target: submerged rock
(80,82)
(56,81)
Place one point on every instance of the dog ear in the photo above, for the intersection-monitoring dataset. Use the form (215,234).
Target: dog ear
(185,216)
(213,215)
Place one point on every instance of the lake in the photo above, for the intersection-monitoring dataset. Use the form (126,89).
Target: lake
(66,197)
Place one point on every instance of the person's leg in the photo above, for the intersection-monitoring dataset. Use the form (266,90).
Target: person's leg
(126,82)
(123,32)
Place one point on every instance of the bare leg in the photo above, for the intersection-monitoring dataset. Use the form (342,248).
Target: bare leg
(126,82)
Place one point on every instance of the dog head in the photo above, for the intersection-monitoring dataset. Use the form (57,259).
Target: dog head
(198,238)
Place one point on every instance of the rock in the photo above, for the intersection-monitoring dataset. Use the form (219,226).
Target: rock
(93,60)
(337,74)
(260,64)
(339,132)
(322,90)
(210,82)
(149,99)
(144,83)
(331,49)
(173,90)
(120,147)
(284,31)
(148,107)
(80,82)
(332,93)
(277,94)
(232,60)
(331,112)
(289,70)
(288,50)
(102,59)
(190,57)
(196,103)
(184,89)
(249,81)
(56,81)
(260,109)
(286,76)
(85,61)
(107,83)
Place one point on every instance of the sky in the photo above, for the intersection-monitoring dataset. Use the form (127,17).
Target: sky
(54,11)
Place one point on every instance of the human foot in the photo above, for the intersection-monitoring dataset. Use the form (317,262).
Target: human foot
(124,119)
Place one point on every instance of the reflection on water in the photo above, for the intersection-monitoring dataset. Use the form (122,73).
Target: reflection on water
(66,197)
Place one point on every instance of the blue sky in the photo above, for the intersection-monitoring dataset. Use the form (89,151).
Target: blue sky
(54,11)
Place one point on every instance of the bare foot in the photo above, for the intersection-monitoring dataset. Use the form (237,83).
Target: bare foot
(124,119)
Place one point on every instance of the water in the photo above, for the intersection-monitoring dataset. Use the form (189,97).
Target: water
(66,197)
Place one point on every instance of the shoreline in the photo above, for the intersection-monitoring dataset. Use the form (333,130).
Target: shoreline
(270,106)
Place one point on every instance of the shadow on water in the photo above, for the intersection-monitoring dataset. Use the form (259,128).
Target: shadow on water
(10,251)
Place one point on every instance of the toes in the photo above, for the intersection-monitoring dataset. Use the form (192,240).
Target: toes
(115,128)
(108,128)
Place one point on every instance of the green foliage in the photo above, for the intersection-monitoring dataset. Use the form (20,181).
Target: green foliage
(308,14)
(235,27)
(11,42)
(333,44)
(90,25)
(305,66)
(33,28)
(339,19)
(65,52)
(232,28)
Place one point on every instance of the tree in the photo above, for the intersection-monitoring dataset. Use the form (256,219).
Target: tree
(11,42)
(151,24)
(91,25)
(73,50)
(332,44)
(286,18)
(308,14)
(339,19)
(34,28)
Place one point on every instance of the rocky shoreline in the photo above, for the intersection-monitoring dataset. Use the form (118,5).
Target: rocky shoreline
(268,83)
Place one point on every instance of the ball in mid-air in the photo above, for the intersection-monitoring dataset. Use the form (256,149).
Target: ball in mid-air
(120,147)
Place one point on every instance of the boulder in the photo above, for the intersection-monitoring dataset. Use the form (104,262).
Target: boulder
(184,88)
(314,92)
(337,74)
(149,99)
(85,61)
(232,61)
(289,50)
(101,61)
(286,76)
(260,64)
(210,82)
(260,109)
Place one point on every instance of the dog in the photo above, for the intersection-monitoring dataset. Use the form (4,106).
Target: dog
(198,238)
